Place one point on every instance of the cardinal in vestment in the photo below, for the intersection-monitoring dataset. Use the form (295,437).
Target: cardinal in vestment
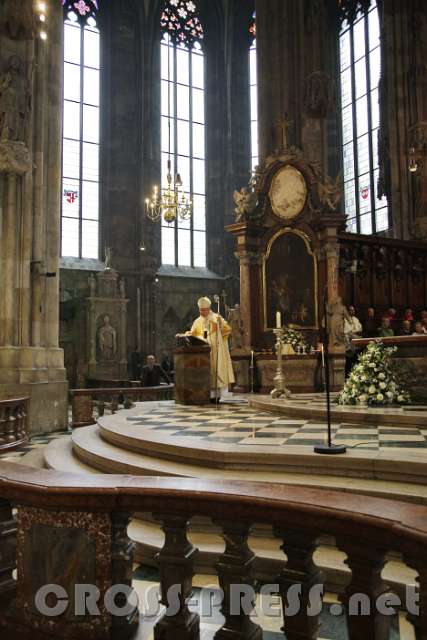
(215,330)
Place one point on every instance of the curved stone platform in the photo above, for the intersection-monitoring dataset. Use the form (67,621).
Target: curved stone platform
(312,406)
(128,443)
(241,439)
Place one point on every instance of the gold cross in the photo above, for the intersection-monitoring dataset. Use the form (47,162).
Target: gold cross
(282,125)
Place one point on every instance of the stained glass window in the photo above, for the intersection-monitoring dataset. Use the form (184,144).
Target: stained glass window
(360,66)
(254,94)
(80,142)
(82,9)
(183,128)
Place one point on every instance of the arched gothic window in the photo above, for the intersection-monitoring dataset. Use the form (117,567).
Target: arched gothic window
(183,128)
(80,142)
(360,66)
(254,94)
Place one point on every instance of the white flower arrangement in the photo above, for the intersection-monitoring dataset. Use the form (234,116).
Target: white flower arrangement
(375,380)
(294,338)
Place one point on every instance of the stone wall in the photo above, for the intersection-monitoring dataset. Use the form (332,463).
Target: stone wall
(31,362)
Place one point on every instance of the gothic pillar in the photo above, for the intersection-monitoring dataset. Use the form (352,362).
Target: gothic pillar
(53,174)
(250,306)
(9,262)
(296,71)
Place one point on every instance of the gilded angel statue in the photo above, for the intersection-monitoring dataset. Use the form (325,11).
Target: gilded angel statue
(330,192)
(245,201)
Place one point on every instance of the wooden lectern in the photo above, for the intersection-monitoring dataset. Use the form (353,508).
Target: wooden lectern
(192,366)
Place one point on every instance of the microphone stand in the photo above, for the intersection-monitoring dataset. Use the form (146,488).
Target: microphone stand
(331,449)
(217,300)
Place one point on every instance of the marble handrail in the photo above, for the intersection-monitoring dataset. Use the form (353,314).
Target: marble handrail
(84,401)
(365,528)
(13,422)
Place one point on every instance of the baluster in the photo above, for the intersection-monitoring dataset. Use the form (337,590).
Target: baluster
(3,423)
(366,563)
(10,426)
(8,532)
(176,565)
(24,412)
(417,560)
(300,570)
(114,404)
(19,420)
(235,567)
(122,570)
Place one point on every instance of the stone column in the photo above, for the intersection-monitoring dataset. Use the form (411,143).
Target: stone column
(9,252)
(53,222)
(296,71)
(91,334)
(38,196)
(122,339)
(250,265)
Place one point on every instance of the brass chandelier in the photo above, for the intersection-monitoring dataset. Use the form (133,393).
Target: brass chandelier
(169,203)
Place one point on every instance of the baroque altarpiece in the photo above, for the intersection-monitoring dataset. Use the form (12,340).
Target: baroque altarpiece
(286,232)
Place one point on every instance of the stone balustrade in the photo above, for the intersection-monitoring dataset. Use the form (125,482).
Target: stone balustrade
(13,422)
(72,530)
(85,402)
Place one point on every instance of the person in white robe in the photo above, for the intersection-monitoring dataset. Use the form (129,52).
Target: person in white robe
(212,328)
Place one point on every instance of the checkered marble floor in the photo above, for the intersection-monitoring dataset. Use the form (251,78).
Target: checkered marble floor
(238,424)
(206,603)
(36,442)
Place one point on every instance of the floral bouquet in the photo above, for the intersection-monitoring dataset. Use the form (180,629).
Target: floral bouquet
(294,338)
(375,380)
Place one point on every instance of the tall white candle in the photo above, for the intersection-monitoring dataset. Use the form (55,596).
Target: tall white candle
(278,319)
(252,358)
(323,357)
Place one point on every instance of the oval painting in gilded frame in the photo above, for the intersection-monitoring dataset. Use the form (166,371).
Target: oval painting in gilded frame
(288,192)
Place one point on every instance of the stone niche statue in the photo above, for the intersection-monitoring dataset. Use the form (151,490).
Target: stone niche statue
(107,340)
(336,314)
(17,19)
(234,317)
(15,101)
(106,324)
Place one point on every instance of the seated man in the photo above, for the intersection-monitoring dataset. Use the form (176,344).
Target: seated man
(152,373)
(370,324)
(385,330)
(352,329)
(419,329)
(406,329)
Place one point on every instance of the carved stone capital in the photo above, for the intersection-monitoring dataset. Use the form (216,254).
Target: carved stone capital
(14,158)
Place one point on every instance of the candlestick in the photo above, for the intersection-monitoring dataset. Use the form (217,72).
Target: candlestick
(278,319)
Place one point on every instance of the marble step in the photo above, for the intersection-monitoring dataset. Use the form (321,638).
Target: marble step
(313,407)
(126,430)
(92,450)
(59,456)
(91,454)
